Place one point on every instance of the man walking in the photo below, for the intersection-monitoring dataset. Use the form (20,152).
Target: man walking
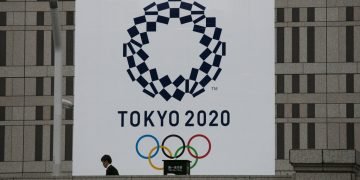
(110,169)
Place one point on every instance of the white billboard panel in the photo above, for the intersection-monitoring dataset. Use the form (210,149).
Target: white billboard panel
(163,74)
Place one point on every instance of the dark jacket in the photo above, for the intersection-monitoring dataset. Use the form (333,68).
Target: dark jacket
(111,170)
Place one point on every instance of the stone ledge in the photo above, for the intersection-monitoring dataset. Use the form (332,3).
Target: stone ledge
(339,161)
(154,177)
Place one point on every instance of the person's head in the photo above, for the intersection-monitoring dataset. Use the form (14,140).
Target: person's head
(106,160)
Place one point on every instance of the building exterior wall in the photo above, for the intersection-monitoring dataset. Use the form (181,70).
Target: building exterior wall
(317,81)
(26,86)
(317,76)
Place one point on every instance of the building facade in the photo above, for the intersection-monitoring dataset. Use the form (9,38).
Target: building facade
(27,86)
(317,76)
(317,81)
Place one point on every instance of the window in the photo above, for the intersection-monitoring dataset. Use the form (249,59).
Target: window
(52,51)
(311,44)
(295,45)
(295,14)
(51,141)
(52,86)
(311,83)
(70,20)
(295,83)
(280,110)
(39,115)
(68,142)
(280,15)
(350,135)
(69,114)
(280,144)
(2,143)
(349,13)
(280,44)
(52,112)
(69,86)
(311,135)
(2,18)
(2,86)
(70,47)
(2,48)
(38,142)
(350,110)
(349,44)
(311,14)
(2,113)
(40,18)
(40,48)
(311,110)
(39,86)
(295,136)
(350,83)
(295,110)
(280,83)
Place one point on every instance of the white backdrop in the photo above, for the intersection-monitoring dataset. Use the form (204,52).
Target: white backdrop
(245,88)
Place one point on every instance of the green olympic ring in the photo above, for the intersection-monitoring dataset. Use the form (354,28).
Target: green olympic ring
(189,147)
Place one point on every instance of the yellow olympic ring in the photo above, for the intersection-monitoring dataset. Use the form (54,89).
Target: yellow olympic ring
(149,156)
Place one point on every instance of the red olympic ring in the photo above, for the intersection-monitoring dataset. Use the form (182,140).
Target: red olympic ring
(207,139)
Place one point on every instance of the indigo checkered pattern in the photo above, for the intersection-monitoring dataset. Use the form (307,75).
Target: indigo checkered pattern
(199,77)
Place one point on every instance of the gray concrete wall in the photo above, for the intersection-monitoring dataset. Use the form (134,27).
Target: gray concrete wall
(26,105)
(318,76)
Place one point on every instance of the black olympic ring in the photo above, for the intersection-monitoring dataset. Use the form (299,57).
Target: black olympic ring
(183,144)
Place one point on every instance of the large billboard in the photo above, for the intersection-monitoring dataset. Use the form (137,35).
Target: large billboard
(174,79)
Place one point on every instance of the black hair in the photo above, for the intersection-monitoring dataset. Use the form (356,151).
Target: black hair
(106,158)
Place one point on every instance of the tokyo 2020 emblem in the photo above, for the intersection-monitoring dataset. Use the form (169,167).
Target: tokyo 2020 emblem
(154,83)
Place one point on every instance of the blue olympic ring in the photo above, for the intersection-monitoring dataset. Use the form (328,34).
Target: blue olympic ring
(157,145)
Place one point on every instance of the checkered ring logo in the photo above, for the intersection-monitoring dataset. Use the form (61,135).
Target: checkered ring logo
(199,77)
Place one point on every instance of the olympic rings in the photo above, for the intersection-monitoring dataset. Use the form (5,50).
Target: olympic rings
(152,150)
(137,146)
(178,153)
(189,147)
(183,144)
(206,154)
